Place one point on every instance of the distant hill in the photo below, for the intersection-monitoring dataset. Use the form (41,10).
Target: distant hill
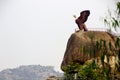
(31,72)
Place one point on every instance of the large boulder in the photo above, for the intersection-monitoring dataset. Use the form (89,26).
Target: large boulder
(81,46)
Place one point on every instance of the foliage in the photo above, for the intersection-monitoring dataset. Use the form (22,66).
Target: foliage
(86,72)
(113,21)
(117,44)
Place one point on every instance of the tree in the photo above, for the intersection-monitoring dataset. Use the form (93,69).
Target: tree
(113,21)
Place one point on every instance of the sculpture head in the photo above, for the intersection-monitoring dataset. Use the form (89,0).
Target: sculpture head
(84,14)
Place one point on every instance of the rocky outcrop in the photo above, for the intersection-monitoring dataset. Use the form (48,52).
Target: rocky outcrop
(83,46)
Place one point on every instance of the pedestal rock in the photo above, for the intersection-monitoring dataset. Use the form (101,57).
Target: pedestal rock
(81,46)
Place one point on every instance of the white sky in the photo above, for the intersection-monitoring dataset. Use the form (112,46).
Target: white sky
(37,31)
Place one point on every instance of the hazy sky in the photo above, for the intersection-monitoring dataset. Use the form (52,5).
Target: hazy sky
(37,31)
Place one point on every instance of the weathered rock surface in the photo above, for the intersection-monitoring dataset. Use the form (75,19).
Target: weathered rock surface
(81,46)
